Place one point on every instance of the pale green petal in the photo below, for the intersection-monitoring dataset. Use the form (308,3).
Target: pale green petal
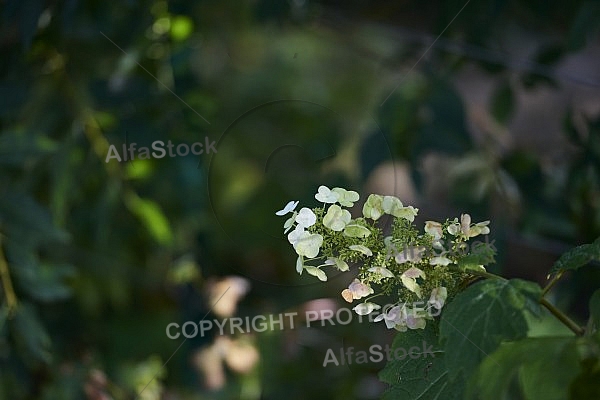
(439,260)
(289,223)
(409,279)
(314,271)
(336,218)
(325,195)
(434,229)
(346,197)
(299,265)
(454,228)
(408,213)
(390,203)
(356,230)
(363,249)
(438,297)
(341,265)
(366,308)
(373,207)
(309,246)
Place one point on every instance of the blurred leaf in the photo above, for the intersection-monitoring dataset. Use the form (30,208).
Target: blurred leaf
(586,23)
(47,284)
(181,27)
(445,128)
(23,219)
(183,270)
(577,258)
(503,102)
(151,216)
(30,335)
(481,317)
(16,148)
(139,169)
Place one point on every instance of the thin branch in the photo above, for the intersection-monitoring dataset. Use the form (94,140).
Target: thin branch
(579,331)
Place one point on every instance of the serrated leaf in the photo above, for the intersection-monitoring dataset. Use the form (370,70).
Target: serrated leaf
(542,367)
(481,317)
(314,271)
(422,378)
(577,257)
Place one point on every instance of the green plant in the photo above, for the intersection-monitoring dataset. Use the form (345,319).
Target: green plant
(485,347)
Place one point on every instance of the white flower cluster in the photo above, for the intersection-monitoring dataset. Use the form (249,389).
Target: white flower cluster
(331,237)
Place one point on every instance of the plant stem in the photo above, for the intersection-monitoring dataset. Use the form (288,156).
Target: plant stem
(485,274)
(579,331)
(551,284)
(9,292)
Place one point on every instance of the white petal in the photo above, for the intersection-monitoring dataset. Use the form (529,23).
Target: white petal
(366,308)
(291,206)
(299,265)
(359,289)
(309,245)
(306,217)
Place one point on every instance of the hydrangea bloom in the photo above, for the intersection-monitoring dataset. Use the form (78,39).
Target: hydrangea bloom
(405,263)
(326,195)
(336,218)
(346,198)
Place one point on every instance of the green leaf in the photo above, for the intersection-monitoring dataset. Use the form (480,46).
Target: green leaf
(26,221)
(18,149)
(542,368)
(577,258)
(480,318)
(47,284)
(152,217)
(481,254)
(586,386)
(422,378)
(30,335)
